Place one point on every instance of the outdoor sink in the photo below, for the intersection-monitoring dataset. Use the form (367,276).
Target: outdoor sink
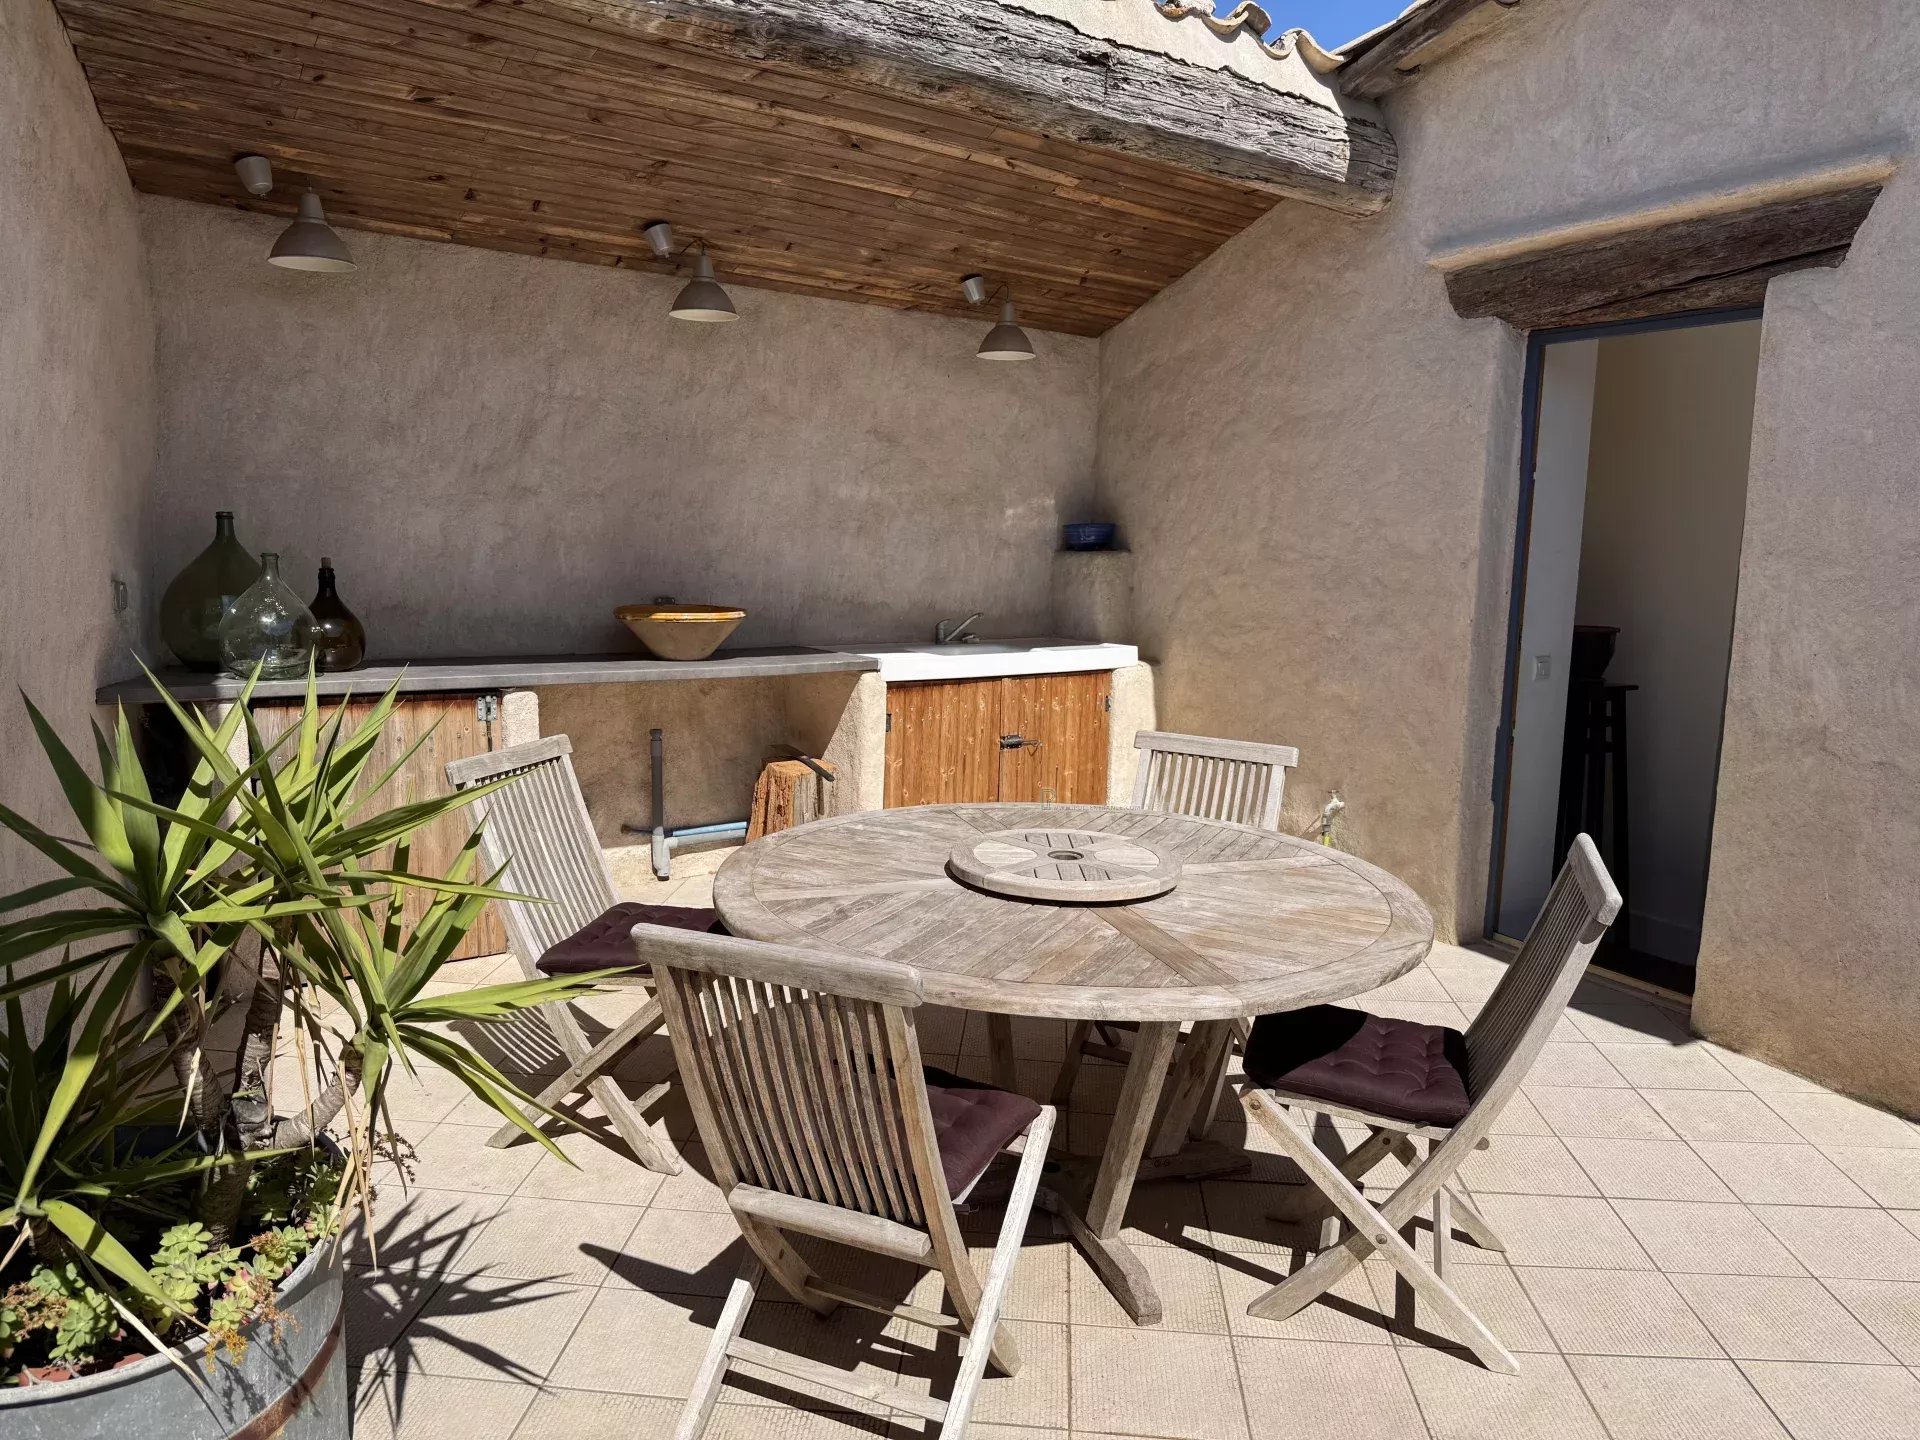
(674,631)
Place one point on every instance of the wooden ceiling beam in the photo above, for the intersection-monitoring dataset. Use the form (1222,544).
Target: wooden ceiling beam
(1044,75)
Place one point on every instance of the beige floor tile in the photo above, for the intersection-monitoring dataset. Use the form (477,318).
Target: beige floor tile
(1461,1401)
(1630,1022)
(1039,1395)
(1889,1308)
(1838,1402)
(599,1174)
(1147,1382)
(1188,1282)
(484,1327)
(633,1342)
(1616,1312)
(977,1431)
(562,1240)
(1605,1114)
(1419,985)
(1424,1012)
(1758,1075)
(761,1422)
(457,1157)
(1782,1174)
(379,1306)
(1521,1117)
(1695,1237)
(1576,1064)
(421,1231)
(1493,1292)
(1648,1170)
(419,1101)
(1348,1314)
(1562,1231)
(1670,1067)
(1720,1115)
(1239,1216)
(1778,1318)
(1306,1387)
(432,1407)
(590,1415)
(858,1343)
(1890,1176)
(681,1252)
(1845,1244)
(1660,1399)
(693,1187)
(1043,1277)
(1525,1165)
(1828,1120)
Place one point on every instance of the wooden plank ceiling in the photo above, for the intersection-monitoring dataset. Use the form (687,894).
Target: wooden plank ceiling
(524,125)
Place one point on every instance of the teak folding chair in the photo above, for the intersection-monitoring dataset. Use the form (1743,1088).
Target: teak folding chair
(805,1078)
(1208,779)
(1404,1080)
(539,829)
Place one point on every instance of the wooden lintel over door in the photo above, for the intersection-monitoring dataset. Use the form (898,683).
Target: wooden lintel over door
(1038,738)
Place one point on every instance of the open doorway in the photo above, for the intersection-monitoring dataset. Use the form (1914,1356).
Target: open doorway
(1631,519)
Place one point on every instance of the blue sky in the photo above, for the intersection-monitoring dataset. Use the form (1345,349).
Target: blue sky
(1331,22)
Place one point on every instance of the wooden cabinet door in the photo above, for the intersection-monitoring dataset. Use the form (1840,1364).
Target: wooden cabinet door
(457,731)
(943,743)
(1024,737)
(1054,738)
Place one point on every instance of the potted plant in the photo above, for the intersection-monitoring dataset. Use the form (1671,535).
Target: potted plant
(169,1213)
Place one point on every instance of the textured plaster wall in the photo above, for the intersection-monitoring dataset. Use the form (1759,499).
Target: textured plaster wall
(498,450)
(76,410)
(1316,461)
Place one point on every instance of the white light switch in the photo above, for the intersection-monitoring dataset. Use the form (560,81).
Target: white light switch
(1542,667)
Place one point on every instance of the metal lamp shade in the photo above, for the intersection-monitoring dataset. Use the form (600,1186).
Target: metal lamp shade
(703,298)
(1006,341)
(309,243)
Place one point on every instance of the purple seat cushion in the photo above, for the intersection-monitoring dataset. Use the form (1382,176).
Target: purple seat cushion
(1396,1068)
(972,1122)
(605,943)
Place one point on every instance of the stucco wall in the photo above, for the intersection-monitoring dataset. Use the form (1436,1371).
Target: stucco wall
(498,450)
(76,410)
(1314,459)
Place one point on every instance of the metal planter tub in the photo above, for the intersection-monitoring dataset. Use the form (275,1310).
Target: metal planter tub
(292,1385)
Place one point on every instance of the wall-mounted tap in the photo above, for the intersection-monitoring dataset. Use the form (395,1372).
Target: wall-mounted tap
(955,632)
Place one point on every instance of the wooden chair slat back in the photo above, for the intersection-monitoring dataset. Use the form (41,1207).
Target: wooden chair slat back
(803,1070)
(539,828)
(1507,1036)
(1210,779)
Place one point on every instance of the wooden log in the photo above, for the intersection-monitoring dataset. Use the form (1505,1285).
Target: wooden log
(1711,261)
(1042,74)
(1393,58)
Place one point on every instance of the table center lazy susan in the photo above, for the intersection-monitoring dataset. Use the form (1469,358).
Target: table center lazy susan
(1091,913)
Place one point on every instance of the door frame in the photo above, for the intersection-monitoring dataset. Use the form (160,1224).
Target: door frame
(1538,343)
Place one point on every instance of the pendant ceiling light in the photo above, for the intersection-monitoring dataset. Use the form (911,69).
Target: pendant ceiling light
(309,243)
(1006,340)
(703,298)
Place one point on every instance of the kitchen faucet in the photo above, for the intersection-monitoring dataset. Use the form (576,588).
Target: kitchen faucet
(949,632)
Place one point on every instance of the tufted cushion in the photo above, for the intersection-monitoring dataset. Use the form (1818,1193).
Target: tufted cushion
(605,942)
(1397,1068)
(972,1123)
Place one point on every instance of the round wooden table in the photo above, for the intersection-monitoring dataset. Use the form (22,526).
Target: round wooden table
(1254,922)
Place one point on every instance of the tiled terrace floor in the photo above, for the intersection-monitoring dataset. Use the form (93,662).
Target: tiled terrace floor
(1701,1246)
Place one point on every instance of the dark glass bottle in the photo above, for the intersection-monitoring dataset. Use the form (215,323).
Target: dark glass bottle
(200,595)
(340,640)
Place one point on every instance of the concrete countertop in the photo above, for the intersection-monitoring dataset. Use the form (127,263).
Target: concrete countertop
(1040,655)
(425,676)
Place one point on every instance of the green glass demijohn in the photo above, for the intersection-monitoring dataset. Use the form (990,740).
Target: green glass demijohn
(267,627)
(339,639)
(196,602)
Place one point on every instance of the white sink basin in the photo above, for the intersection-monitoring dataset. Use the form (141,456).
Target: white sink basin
(1040,656)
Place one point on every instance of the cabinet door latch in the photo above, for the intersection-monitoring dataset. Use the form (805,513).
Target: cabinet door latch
(1019,742)
(486,708)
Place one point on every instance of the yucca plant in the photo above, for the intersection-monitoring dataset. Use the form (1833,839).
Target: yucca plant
(122,1134)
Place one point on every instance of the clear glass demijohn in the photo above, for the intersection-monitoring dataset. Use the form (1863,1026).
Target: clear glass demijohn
(269,627)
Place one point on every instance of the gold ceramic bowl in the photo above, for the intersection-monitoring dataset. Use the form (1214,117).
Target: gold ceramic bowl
(674,631)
